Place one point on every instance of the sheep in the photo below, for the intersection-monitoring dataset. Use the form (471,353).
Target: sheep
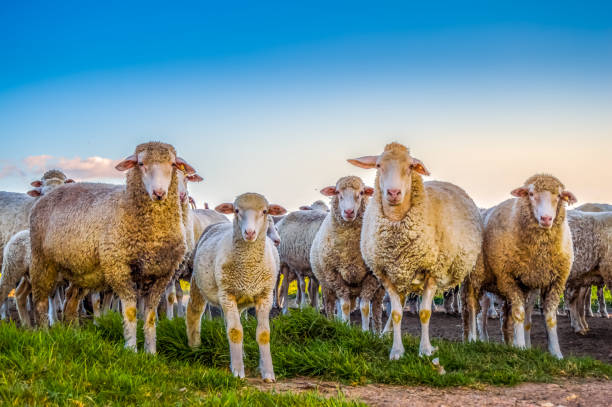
(416,237)
(592,242)
(297,231)
(235,267)
(594,207)
(130,238)
(527,248)
(336,258)
(318,205)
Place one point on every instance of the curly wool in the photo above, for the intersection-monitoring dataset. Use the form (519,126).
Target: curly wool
(440,236)
(16,263)
(336,256)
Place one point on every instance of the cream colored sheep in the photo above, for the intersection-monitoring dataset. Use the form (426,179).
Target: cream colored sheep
(130,238)
(527,247)
(416,237)
(336,259)
(235,267)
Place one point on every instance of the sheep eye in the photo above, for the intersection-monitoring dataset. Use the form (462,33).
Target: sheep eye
(141,164)
(377,165)
(531,194)
(265,211)
(361,193)
(236,211)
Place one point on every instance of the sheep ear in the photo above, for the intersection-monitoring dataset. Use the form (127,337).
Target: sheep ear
(369,191)
(368,161)
(568,197)
(206,205)
(192,202)
(329,191)
(225,208)
(184,166)
(69,181)
(519,192)
(276,210)
(418,166)
(34,192)
(305,208)
(36,183)
(127,163)
(194,178)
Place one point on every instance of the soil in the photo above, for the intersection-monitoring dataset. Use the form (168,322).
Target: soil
(589,393)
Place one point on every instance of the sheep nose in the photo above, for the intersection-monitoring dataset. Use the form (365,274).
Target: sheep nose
(394,193)
(546,219)
(159,193)
(349,212)
(249,234)
(276,242)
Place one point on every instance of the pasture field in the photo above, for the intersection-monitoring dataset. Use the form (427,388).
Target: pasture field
(87,365)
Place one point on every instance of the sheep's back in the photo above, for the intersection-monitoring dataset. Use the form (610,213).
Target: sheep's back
(297,232)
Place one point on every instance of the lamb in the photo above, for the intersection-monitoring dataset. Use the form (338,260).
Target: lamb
(417,237)
(235,267)
(336,258)
(527,248)
(130,237)
(297,230)
(592,242)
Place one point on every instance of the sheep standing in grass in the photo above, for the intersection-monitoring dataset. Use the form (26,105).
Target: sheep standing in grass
(592,243)
(130,238)
(297,230)
(416,237)
(336,257)
(527,247)
(235,267)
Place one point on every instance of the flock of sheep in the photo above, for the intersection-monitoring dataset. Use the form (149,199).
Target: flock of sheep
(127,247)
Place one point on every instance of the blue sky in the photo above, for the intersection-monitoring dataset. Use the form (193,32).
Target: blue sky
(274,97)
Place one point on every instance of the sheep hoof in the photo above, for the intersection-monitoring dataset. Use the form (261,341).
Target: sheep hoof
(596,315)
(427,351)
(583,332)
(396,354)
(237,373)
(268,378)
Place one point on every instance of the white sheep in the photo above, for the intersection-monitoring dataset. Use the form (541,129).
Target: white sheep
(416,237)
(235,267)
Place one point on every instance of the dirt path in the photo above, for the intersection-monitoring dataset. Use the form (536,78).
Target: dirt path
(590,393)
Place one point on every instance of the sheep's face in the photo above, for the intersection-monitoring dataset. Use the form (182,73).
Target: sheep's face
(348,195)
(156,163)
(44,186)
(183,179)
(544,197)
(251,214)
(395,167)
(272,232)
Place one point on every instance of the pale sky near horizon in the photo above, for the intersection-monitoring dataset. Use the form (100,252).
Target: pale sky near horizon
(273,98)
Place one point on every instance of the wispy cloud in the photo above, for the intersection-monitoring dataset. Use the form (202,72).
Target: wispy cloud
(80,169)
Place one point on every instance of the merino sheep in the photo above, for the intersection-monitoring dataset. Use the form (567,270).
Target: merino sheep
(417,237)
(130,238)
(318,205)
(592,242)
(235,267)
(336,259)
(297,230)
(527,247)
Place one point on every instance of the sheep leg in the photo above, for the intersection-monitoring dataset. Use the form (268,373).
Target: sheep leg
(506,323)
(588,295)
(262,310)
(531,299)
(313,292)
(470,295)
(329,302)
(345,308)
(107,302)
(397,349)
(377,308)
(180,309)
(96,304)
(151,302)
(170,295)
(21,299)
(483,317)
(572,297)
(602,309)
(550,303)
(582,307)
(449,301)
(195,309)
(284,289)
(365,306)
(42,278)
(425,347)
(301,291)
(234,334)
(74,295)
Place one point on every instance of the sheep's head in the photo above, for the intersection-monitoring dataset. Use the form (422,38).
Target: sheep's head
(347,197)
(155,163)
(545,194)
(272,232)
(50,179)
(182,179)
(251,214)
(395,168)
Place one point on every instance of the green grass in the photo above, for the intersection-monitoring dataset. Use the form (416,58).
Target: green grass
(89,366)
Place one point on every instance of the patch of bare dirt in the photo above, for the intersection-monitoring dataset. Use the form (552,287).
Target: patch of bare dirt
(591,393)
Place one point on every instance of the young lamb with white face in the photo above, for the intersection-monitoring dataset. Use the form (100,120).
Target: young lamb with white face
(416,237)
(336,259)
(235,267)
